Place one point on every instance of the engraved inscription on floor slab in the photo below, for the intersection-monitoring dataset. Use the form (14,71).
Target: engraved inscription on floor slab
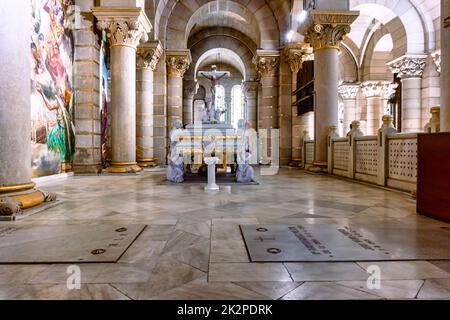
(66,243)
(334,242)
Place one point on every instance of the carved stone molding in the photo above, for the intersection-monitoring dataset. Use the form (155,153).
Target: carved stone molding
(382,89)
(325,29)
(123,26)
(409,66)
(436,56)
(348,91)
(295,54)
(178,62)
(267,62)
(148,55)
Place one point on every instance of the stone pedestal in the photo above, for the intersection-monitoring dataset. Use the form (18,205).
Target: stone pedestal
(16,189)
(148,56)
(410,69)
(324,30)
(211,162)
(177,63)
(433,126)
(125,27)
(348,93)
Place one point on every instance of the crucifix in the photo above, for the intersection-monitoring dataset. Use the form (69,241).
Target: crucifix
(214,76)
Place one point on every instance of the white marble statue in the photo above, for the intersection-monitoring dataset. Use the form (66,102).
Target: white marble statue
(244,172)
(175,167)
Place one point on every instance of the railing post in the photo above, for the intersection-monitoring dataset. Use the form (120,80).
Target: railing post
(355,132)
(331,135)
(383,149)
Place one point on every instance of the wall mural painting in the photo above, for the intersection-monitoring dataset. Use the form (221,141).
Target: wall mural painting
(105,99)
(52,136)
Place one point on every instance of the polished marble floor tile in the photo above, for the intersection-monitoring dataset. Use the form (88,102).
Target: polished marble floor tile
(407,270)
(327,291)
(192,247)
(238,272)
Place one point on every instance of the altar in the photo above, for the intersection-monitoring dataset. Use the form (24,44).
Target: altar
(192,147)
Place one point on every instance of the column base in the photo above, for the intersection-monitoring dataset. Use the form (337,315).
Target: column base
(92,169)
(295,162)
(319,167)
(147,163)
(18,199)
(124,167)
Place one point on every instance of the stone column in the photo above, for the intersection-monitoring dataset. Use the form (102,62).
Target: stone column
(410,69)
(189,91)
(177,62)
(125,28)
(348,93)
(324,30)
(295,54)
(377,93)
(267,63)
(88,146)
(148,55)
(16,188)
(250,89)
(445,66)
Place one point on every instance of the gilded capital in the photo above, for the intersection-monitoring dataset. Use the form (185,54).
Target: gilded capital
(295,54)
(348,91)
(326,29)
(409,66)
(267,62)
(123,26)
(178,62)
(148,55)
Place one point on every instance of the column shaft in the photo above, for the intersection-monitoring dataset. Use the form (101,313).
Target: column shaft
(326,86)
(349,113)
(411,105)
(174,99)
(15,92)
(374,114)
(123,105)
(144,117)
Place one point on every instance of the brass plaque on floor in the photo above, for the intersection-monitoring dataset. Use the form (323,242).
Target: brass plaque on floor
(334,242)
(66,243)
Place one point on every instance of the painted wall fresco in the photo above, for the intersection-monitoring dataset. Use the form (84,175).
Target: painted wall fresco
(105,99)
(52,135)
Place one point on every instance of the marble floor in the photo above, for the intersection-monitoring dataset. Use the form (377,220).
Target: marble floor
(192,247)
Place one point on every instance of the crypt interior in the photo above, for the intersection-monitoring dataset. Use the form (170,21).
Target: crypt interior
(225,149)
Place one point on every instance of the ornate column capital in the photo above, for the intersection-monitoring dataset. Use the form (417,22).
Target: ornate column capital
(148,55)
(436,56)
(178,62)
(267,62)
(295,54)
(326,29)
(123,26)
(382,89)
(250,89)
(409,66)
(348,91)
